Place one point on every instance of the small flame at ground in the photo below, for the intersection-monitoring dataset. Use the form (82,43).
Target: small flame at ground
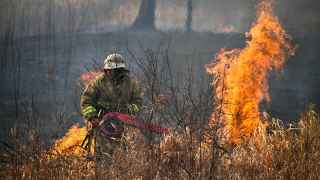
(241,75)
(70,143)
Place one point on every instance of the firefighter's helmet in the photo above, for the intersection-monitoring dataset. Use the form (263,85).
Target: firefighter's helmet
(114,61)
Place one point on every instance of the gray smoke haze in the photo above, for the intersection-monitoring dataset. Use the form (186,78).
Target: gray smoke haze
(31,17)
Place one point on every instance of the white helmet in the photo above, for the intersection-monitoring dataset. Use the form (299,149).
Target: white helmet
(114,61)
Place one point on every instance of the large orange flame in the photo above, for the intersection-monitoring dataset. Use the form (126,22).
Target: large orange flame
(241,75)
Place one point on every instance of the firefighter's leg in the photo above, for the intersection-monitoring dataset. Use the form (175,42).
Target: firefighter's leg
(89,143)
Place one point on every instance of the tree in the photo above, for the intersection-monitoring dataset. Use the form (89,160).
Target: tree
(189,16)
(146,16)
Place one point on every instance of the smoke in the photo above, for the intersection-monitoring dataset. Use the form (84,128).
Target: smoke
(299,16)
(39,17)
(212,15)
(171,15)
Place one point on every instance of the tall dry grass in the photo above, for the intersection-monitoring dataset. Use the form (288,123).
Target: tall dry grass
(282,153)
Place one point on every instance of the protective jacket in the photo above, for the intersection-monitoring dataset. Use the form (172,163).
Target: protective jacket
(108,94)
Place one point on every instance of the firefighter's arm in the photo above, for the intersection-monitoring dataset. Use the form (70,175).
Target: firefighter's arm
(136,98)
(88,101)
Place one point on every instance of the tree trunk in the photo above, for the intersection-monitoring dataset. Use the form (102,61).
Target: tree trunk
(188,25)
(146,16)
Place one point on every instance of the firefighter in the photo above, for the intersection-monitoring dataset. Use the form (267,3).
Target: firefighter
(112,91)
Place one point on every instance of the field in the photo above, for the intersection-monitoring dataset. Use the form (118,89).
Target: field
(284,153)
(221,95)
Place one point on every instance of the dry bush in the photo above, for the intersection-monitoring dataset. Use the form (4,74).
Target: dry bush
(286,153)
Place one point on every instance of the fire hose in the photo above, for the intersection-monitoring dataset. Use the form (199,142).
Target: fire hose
(127,120)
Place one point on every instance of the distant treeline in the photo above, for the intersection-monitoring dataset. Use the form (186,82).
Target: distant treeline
(33,17)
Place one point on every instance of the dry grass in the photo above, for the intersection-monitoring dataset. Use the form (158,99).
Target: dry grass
(284,153)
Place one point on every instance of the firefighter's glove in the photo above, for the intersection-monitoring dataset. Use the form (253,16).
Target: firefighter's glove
(89,112)
(133,108)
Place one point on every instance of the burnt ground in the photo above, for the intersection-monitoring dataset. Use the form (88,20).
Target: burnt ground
(47,83)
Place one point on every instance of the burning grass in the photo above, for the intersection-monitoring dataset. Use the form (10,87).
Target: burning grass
(241,75)
(70,143)
(285,153)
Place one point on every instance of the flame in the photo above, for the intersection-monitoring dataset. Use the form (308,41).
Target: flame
(70,143)
(241,75)
(88,76)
